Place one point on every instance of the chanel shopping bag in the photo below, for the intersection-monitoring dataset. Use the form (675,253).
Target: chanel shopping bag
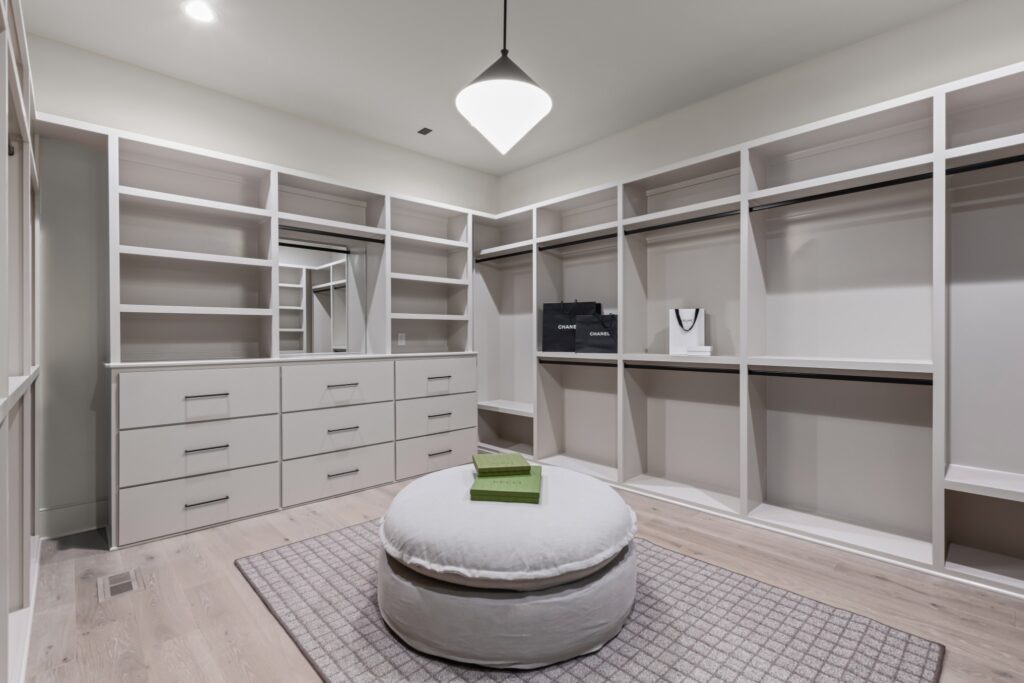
(559,323)
(597,333)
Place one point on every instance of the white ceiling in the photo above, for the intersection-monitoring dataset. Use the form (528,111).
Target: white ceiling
(385,68)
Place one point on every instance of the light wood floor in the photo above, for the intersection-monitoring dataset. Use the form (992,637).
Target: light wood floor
(198,620)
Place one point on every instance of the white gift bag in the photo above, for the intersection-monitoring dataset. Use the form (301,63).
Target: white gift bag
(686,331)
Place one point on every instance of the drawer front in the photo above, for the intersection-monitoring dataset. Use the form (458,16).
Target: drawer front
(424,454)
(435,376)
(160,453)
(422,416)
(165,397)
(332,474)
(326,385)
(171,507)
(335,429)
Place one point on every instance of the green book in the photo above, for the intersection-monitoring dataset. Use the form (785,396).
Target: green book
(500,464)
(520,488)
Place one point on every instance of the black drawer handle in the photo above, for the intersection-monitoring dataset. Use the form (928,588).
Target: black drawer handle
(432,455)
(431,379)
(189,506)
(342,474)
(431,417)
(193,451)
(193,397)
(346,385)
(338,430)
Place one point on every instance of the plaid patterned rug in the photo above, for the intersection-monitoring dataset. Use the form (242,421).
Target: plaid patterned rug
(692,621)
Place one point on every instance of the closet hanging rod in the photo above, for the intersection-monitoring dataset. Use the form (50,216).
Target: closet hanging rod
(315,247)
(844,378)
(980,165)
(326,233)
(494,258)
(545,247)
(684,221)
(681,368)
(582,363)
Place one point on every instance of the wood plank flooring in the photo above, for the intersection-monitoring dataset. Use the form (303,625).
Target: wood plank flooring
(198,620)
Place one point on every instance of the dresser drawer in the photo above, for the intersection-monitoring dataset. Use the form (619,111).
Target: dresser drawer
(326,385)
(422,416)
(159,453)
(170,507)
(434,376)
(423,454)
(331,474)
(164,397)
(335,429)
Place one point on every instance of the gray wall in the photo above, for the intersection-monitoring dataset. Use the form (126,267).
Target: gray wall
(73,461)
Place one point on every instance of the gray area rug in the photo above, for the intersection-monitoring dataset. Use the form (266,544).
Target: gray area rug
(692,621)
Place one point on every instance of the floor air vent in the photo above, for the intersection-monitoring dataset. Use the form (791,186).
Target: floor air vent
(118,584)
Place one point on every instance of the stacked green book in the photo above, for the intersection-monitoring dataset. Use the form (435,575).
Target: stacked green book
(500,464)
(516,488)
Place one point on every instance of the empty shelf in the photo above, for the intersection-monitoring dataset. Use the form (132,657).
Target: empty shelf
(286,220)
(985,565)
(609,358)
(431,279)
(590,232)
(685,493)
(498,405)
(168,198)
(194,310)
(582,466)
(984,482)
(874,366)
(428,316)
(193,256)
(426,241)
(724,362)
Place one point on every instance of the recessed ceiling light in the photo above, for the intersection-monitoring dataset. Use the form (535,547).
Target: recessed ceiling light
(200,10)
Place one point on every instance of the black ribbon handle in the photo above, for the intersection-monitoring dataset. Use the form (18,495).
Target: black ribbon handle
(679,319)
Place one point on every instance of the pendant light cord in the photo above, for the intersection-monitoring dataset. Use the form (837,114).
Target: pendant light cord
(504,31)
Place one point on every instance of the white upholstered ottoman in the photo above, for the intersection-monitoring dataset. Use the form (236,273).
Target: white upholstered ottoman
(505,584)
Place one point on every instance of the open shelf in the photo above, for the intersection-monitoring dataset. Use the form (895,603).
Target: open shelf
(429,221)
(605,358)
(892,134)
(846,277)
(576,418)
(690,266)
(504,430)
(153,225)
(178,336)
(497,233)
(299,196)
(848,461)
(984,538)
(984,112)
(681,437)
(418,257)
(669,361)
(581,272)
(175,172)
(149,252)
(168,282)
(430,279)
(992,483)
(582,211)
(663,193)
(428,300)
(921,369)
(986,290)
(505,407)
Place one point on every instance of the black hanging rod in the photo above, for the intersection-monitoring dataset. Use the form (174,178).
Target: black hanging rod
(512,253)
(966,168)
(545,247)
(581,363)
(682,368)
(684,221)
(326,233)
(314,247)
(845,378)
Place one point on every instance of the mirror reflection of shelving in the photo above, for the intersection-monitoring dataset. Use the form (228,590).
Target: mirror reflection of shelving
(292,307)
(328,286)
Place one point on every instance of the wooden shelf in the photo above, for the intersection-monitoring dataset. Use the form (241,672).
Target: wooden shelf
(841,181)
(609,358)
(601,230)
(685,493)
(987,566)
(165,198)
(285,220)
(964,153)
(525,246)
(520,408)
(724,362)
(194,310)
(984,482)
(430,279)
(194,256)
(293,330)
(583,466)
(291,308)
(336,284)
(697,210)
(851,535)
(289,285)
(428,242)
(870,366)
(429,316)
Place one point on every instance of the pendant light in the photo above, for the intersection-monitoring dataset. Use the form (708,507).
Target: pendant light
(503,103)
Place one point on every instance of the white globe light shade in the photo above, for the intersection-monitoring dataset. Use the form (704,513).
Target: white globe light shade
(504,104)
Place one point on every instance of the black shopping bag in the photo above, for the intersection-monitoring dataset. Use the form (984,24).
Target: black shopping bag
(559,323)
(597,333)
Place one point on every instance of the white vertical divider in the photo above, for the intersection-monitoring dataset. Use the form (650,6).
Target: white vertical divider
(386,274)
(535,337)
(114,236)
(940,310)
(620,383)
(471,275)
(4,438)
(272,254)
(744,375)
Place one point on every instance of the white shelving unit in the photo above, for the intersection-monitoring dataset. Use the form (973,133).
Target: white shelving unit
(291,309)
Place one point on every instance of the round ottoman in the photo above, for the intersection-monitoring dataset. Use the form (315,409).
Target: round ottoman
(504,584)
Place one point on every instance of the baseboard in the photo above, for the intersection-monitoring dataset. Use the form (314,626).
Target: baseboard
(65,520)
(19,624)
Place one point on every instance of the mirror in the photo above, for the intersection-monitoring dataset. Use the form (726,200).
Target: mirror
(323,295)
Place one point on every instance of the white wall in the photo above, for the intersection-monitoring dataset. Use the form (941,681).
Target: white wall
(969,38)
(85,86)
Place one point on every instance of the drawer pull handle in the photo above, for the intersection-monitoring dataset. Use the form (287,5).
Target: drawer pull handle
(431,455)
(189,506)
(431,417)
(198,396)
(346,385)
(193,451)
(431,379)
(338,430)
(342,474)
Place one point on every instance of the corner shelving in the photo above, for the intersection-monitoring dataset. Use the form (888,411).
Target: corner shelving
(498,235)
(579,215)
